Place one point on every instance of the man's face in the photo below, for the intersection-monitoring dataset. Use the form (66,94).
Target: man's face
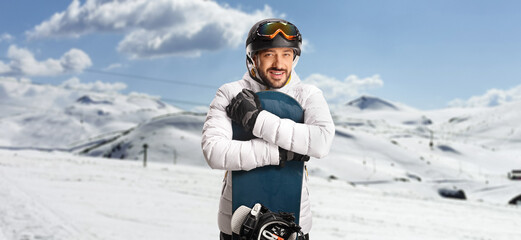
(274,65)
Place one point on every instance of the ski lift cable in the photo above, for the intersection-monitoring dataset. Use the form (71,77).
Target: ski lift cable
(141,77)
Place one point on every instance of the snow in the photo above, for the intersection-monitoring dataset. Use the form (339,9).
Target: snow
(472,150)
(71,168)
(45,116)
(171,138)
(61,196)
(56,195)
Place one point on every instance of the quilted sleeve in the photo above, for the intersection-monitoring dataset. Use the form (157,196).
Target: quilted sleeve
(220,151)
(313,138)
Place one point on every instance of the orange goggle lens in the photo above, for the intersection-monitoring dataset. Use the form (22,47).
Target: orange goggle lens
(271,29)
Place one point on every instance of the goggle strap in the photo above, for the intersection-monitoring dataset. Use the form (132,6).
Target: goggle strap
(277,32)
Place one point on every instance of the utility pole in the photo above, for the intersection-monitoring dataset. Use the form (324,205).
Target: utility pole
(145,147)
(431,143)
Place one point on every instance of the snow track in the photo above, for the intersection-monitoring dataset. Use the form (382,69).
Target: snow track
(23,217)
(60,196)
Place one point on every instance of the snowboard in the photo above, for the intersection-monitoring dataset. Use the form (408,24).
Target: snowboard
(278,188)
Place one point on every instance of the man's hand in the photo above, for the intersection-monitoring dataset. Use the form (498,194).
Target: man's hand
(244,109)
(285,155)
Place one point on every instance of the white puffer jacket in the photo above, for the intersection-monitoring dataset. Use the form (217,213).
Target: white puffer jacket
(313,138)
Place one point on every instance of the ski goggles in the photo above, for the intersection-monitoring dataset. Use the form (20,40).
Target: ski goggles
(271,29)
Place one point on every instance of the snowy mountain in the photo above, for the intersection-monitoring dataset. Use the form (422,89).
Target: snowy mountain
(170,138)
(461,149)
(378,143)
(371,103)
(44,116)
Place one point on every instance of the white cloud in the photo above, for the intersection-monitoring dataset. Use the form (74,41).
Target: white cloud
(306,46)
(14,79)
(144,95)
(339,92)
(155,28)
(75,60)
(492,97)
(6,37)
(113,66)
(24,63)
(98,86)
(4,68)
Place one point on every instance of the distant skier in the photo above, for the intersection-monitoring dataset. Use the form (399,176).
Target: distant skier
(273,48)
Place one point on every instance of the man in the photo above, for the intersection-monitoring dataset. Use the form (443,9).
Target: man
(273,48)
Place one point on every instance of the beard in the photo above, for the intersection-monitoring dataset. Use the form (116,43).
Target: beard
(268,83)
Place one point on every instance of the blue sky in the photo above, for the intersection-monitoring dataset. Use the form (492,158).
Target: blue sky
(425,54)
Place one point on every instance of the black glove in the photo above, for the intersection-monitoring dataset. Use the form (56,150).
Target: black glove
(285,155)
(244,109)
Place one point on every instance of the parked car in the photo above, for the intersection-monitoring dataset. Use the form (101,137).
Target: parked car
(452,193)
(515,174)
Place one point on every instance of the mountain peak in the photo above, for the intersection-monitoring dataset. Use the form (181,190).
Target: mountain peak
(89,100)
(371,103)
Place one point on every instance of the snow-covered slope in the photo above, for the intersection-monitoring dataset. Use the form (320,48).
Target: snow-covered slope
(467,149)
(44,116)
(378,143)
(54,196)
(172,138)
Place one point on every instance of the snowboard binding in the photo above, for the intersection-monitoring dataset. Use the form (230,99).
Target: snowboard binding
(259,223)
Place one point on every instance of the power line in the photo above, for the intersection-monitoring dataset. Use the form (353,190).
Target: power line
(143,78)
(184,102)
(155,79)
